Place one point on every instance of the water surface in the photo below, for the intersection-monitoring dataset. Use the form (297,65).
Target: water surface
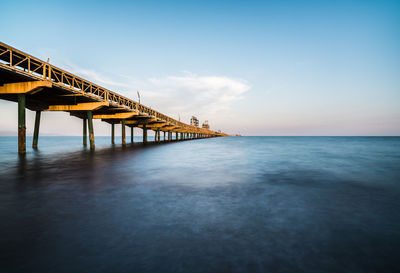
(234,204)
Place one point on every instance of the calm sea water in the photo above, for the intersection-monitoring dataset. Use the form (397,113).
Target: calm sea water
(235,204)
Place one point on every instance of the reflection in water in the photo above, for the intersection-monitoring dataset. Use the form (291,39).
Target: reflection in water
(239,204)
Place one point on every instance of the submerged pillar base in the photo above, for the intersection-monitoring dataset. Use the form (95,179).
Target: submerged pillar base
(123,133)
(36,130)
(21,124)
(91,133)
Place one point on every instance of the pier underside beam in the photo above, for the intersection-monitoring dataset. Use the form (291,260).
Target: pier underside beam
(116,116)
(24,87)
(167,128)
(142,121)
(86,106)
(154,125)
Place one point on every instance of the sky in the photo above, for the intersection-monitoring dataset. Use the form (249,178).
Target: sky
(248,67)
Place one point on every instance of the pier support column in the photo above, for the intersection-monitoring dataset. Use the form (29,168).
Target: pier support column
(36,130)
(164,137)
(155,135)
(123,133)
(113,133)
(91,133)
(132,135)
(176,136)
(169,135)
(21,124)
(158,134)
(144,134)
(84,133)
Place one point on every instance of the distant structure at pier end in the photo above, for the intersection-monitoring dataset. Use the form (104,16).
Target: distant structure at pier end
(205,125)
(194,121)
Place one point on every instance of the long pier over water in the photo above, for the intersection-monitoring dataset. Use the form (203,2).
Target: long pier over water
(39,86)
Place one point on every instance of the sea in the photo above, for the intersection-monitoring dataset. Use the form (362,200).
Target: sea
(229,204)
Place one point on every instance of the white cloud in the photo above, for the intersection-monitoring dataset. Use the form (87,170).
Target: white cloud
(191,94)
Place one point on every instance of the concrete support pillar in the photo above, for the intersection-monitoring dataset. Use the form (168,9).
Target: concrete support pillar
(84,133)
(164,136)
(123,133)
(155,135)
(144,134)
(91,133)
(132,135)
(36,130)
(21,124)
(176,136)
(113,133)
(158,134)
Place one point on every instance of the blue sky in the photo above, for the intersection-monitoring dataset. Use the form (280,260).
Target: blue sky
(254,67)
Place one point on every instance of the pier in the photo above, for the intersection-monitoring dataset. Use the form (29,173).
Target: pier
(39,86)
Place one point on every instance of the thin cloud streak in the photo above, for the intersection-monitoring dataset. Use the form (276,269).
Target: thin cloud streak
(94,76)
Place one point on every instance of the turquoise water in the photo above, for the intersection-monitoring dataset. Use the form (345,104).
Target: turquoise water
(234,204)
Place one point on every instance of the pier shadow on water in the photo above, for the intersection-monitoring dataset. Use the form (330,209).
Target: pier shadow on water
(244,204)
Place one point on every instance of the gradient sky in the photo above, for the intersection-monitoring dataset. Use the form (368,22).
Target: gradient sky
(254,67)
